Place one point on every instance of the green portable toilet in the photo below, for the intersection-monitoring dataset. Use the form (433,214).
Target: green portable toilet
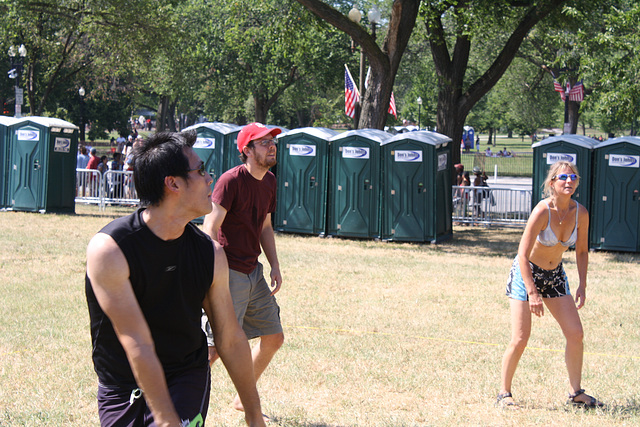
(615,205)
(576,149)
(211,144)
(42,165)
(302,180)
(353,200)
(5,123)
(416,187)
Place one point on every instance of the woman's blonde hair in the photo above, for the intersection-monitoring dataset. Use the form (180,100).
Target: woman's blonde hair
(547,190)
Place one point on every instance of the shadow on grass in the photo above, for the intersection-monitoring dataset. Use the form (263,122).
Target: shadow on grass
(618,410)
(465,240)
(289,422)
(484,241)
(93,211)
(625,257)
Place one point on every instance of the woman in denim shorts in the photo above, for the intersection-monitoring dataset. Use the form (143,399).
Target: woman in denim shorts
(537,276)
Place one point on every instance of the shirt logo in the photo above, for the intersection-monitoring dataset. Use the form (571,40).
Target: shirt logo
(170,268)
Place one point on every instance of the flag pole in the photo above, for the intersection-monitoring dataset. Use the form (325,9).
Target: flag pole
(567,127)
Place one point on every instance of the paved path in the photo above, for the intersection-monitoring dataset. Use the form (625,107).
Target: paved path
(510,181)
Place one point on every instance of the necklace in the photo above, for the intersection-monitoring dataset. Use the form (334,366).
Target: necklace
(563,216)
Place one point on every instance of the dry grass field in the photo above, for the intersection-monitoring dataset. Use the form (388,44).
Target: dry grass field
(377,334)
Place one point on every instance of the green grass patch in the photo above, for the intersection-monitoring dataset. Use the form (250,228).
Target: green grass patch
(377,334)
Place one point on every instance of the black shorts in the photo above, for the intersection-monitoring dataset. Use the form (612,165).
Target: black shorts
(549,283)
(120,407)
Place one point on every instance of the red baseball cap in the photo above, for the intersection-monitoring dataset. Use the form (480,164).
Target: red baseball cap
(254,131)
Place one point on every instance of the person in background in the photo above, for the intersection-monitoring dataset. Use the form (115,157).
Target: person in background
(114,180)
(102,165)
(537,279)
(149,275)
(82,160)
(120,144)
(94,191)
(243,200)
(459,167)
(94,159)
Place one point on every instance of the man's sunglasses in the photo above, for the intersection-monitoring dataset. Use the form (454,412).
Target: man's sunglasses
(266,142)
(201,170)
(565,176)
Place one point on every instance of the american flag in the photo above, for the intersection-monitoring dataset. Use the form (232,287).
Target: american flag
(558,88)
(577,92)
(392,100)
(392,106)
(351,95)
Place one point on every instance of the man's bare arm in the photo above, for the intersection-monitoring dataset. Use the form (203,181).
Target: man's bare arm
(231,341)
(268,243)
(213,221)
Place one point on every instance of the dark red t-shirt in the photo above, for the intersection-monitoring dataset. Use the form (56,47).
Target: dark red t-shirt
(247,201)
(94,161)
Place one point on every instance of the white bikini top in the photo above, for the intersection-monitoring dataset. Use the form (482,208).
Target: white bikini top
(548,238)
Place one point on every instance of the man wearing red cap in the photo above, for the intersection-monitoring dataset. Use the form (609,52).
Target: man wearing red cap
(243,199)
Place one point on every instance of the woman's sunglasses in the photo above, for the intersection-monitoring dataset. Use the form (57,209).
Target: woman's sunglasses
(565,176)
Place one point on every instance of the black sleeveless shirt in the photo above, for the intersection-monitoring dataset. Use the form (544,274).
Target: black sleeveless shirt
(170,280)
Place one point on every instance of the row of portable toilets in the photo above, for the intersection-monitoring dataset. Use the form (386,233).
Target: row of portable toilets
(38,164)
(370,184)
(609,185)
(363,183)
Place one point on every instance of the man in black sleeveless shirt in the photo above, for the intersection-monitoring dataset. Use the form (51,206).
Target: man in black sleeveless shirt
(149,275)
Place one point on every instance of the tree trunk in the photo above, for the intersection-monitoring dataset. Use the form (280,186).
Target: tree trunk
(260,110)
(449,124)
(171,115)
(300,117)
(574,114)
(454,104)
(384,62)
(161,117)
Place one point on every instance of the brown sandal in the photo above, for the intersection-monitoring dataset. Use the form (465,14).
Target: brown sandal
(591,403)
(502,396)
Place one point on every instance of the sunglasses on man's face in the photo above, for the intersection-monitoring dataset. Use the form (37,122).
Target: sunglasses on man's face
(565,176)
(266,142)
(201,170)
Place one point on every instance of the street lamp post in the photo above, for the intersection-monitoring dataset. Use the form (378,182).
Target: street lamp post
(81,92)
(419,101)
(356,16)
(374,17)
(17,55)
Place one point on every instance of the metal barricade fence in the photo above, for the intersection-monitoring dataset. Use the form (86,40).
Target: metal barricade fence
(491,206)
(504,206)
(88,186)
(113,187)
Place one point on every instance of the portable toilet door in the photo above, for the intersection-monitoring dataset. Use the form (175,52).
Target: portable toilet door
(416,187)
(210,145)
(231,155)
(42,162)
(353,200)
(5,123)
(576,149)
(302,180)
(615,208)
